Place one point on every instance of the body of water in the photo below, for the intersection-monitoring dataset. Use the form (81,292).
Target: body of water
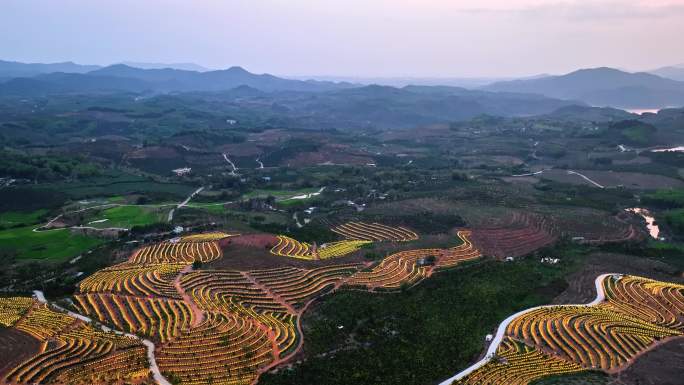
(643,110)
(671,149)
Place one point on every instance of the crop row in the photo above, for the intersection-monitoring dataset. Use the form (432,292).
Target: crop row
(136,280)
(298,286)
(159,318)
(221,290)
(205,237)
(410,266)
(290,247)
(636,314)
(591,336)
(518,364)
(43,323)
(463,252)
(177,252)
(74,352)
(223,350)
(652,301)
(13,308)
(374,232)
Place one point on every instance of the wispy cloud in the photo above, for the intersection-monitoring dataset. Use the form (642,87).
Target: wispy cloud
(591,10)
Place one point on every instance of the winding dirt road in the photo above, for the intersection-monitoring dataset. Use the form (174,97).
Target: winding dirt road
(501,331)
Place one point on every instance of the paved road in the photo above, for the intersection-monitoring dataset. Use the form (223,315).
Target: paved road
(501,331)
(158,377)
(586,178)
(234,170)
(184,203)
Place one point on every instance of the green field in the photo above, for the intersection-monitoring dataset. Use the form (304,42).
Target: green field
(13,218)
(212,208)
(283,195)
(128,216)
(665,198)
(47,245)
(120,184)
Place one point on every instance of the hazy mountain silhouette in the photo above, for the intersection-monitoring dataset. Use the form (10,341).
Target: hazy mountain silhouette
(671,72)
(176,66)
(12,69)
(603,87)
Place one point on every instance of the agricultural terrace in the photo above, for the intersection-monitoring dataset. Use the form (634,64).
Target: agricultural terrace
(374,232)
(289,247)
(177,251)
(356,235)
(70,351)
(636,315)
(209,326)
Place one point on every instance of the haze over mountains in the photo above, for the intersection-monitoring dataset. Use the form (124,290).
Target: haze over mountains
(603,87)
(671,72)
(595,87)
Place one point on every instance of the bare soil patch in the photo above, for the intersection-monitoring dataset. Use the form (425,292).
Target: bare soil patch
(15,347)
(243,257)
(663,365)
(328,155)
(515,235)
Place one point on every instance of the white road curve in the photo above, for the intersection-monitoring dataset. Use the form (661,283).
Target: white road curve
(296,219)
(261,164)
(306,196)
(586,178)
(234,171)
(501,331)
(158,377)
(184,203)
(532,173)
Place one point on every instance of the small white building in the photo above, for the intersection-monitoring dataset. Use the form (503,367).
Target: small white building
(182,171)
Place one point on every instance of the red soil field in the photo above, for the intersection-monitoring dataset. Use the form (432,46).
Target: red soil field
(522,234)
(260,241)
(15,347)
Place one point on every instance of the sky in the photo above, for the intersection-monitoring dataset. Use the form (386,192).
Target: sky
(356,38)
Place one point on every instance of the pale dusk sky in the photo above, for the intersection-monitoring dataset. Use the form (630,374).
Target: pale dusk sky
(422,38)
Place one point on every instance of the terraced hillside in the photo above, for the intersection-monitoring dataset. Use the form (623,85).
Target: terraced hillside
(70,350)
(630,316)
(207,326)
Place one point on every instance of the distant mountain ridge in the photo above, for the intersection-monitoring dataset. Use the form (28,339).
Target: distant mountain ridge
(603,87)
(120,77)
(13,69)
(671,72)
(175,66)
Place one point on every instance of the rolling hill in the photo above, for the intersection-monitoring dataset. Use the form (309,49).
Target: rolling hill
(671,72)
(12,69)
(603,87)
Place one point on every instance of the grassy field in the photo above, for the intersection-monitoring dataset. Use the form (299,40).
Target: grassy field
(279,194)
(13,218)
(47,245)
(129,216)
(120,185)
(212,208)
